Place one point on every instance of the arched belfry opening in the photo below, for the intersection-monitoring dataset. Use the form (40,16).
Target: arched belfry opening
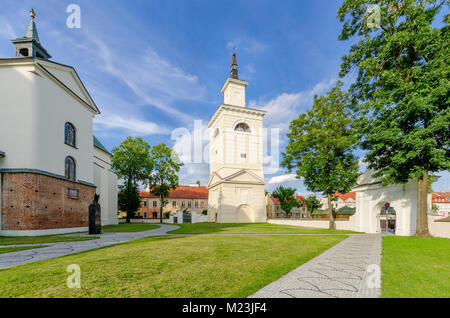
(24,52)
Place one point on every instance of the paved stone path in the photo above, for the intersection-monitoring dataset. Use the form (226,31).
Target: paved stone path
(340,272)
(65,248)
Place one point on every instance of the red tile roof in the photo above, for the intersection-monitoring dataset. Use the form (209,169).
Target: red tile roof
(182,192)
(440,197)
(275,200)
(345,196)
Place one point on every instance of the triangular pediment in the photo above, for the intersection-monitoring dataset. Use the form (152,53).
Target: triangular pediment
(69,80)
(245,176)
(242,177)
(213,179)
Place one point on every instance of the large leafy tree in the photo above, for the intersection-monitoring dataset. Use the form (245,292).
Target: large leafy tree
(287,199)
(321,142)
(132,163)
(402,88)
(164,178)
(312,204)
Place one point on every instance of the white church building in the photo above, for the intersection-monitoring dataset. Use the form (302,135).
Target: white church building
(51,165)
(236,183)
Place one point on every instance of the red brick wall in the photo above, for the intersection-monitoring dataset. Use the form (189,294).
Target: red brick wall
(39,202)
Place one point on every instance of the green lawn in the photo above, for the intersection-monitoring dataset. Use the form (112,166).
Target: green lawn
(5,250)
(169,266)
(129,227)
(16,240)
(250,228)
(415,267)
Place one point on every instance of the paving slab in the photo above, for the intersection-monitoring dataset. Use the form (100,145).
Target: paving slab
(66,248)
(343,271)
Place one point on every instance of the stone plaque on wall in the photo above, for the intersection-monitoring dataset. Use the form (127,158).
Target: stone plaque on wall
(73,193)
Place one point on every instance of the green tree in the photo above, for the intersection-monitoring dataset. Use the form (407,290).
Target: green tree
(164,177)
(287,199)
(129,200)
(312,204)
(320,146)
(402,89)
(132,163)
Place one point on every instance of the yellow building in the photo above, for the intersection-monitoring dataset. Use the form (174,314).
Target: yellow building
(191,198)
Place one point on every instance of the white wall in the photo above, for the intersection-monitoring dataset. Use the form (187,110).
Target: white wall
(438,229)
(106,182)
(348,225)
(33,111)
(371,198)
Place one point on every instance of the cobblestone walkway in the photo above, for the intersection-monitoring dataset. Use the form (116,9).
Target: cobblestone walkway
(65,248)
(340,272)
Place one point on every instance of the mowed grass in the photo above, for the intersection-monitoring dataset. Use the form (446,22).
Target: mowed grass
(5,250)
(415,267)
(129,227)
(249,228)
(169,266)
(16,240)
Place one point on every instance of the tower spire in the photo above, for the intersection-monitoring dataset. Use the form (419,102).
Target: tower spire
(29,45)
(234,67)
(32,30)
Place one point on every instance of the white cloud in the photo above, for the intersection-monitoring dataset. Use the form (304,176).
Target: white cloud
(287,106)
(154,79)
(129,125)
(192,147)
(283,179)
(287,180)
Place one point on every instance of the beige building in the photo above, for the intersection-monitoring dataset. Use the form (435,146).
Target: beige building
(236,184)
(441,200)
(340,200)
(191,198)
(274,209)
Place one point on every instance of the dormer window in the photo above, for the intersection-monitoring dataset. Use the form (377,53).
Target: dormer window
(242,127)
(69,134)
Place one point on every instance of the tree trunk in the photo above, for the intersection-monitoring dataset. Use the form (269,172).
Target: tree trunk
(332,225)
(422,207)
(161,210)
(128,217)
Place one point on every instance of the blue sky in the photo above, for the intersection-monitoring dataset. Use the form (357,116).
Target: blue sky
(154,66)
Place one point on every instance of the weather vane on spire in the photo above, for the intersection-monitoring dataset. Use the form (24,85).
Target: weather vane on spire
(32,14)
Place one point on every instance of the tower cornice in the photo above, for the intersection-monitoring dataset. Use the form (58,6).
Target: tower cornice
(238,109)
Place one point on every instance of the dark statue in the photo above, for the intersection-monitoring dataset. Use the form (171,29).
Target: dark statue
(95,216)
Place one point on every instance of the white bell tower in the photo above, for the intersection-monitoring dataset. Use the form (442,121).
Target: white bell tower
(236,184)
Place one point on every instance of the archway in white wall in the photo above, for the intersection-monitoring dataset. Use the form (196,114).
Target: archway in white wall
(386,218)
(245,214)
